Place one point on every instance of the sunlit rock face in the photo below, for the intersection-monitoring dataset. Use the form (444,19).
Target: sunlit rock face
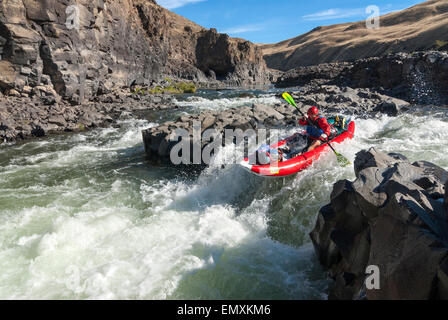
(83,48)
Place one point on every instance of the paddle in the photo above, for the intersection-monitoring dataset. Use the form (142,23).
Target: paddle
(343,161)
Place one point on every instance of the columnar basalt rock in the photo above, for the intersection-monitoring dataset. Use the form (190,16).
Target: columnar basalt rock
(84,48)
(375,221)
(235,60)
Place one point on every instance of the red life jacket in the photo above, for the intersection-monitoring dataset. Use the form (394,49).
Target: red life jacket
(323,124)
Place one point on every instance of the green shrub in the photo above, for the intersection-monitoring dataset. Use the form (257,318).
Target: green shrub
(439,44)
(187,87)
(175,88)
(156,90)
(139,91)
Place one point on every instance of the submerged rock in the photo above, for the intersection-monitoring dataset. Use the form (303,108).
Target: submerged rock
(375,221)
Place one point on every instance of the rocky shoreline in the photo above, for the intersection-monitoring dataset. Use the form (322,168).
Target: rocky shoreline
(381,219)
(22,118)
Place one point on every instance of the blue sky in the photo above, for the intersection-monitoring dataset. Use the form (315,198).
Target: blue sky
(269,21)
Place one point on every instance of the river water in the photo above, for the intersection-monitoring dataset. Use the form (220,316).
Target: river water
(85,216)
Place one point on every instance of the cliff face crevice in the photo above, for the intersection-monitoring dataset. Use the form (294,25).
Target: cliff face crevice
(88,47)
(51,69)
(213,54)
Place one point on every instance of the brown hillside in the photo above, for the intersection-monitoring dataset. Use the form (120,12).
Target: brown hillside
(416,28)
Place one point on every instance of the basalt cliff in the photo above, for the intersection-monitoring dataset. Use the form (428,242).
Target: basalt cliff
(77,49)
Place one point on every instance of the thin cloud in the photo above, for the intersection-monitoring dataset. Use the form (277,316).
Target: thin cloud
(173,4)
(244,29)
(335,13)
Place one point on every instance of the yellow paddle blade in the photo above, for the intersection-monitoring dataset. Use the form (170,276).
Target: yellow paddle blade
(343,161)
(288,98)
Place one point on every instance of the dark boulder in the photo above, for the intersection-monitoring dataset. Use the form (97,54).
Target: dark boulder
(380,219)
(446,199)
(158,141)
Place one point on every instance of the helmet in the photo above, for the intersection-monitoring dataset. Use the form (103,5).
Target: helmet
(313,111)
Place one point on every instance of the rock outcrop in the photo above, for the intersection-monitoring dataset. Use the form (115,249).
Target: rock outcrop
(84,48)
(391,217)
(234,60)
(21,118)
(362,101)
(160,140)
(419,78)
(421,27)
(325,73)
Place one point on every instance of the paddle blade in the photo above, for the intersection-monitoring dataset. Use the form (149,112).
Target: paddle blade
(289,99)
(343,161)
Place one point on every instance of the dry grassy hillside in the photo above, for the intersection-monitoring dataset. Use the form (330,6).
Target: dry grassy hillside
(424,26)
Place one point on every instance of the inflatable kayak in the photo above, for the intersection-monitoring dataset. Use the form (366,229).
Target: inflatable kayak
(285,167)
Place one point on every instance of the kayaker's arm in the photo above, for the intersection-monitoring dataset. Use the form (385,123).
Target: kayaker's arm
(303,121)
(326,128)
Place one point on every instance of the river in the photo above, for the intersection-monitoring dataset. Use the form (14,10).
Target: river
(85,216)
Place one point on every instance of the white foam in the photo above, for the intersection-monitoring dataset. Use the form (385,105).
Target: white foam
(226,103)
(225,235)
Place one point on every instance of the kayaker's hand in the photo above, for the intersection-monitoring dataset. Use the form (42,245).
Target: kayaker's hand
(324,137)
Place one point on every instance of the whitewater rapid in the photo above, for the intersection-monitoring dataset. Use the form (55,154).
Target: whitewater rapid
(85,216)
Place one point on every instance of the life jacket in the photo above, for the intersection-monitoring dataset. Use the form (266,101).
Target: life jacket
(316,133)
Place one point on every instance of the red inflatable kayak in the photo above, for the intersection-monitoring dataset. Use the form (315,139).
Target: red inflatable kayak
(299,163)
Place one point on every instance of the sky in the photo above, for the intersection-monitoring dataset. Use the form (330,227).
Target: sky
(271,21)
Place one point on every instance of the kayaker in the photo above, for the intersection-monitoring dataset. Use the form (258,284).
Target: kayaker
(318,129)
